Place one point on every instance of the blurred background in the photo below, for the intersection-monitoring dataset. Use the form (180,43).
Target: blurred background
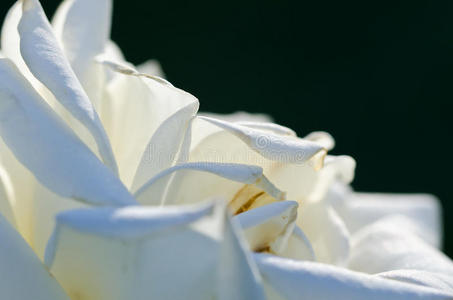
(376,75)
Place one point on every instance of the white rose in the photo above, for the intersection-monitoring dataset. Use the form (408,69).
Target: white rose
(109,175)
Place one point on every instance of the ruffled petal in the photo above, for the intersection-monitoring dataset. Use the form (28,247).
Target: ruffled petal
(43,56)
(290,279)
(22,275)
(159,253)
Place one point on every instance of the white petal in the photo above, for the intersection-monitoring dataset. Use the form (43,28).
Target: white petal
(165,145)
(10,40)
(20,177)
(44,58)
(290,279)
(271,146)
(151,67)
(22,275)
(428,279)
(302,182)
(44,208)
(239,116)
(238,275)
(361,209)
(269,127)
(83,27)
(198,181)
(7,197)
(392,244)
(46,146)
(322,138)
(299,247)
(147,119)
(326,232)
(153,253)
(271,228)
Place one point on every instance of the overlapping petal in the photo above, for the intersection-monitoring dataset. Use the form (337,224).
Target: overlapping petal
(44,144)
(45,59)
(194,182)
(162,253)
(147,120)
(290,279)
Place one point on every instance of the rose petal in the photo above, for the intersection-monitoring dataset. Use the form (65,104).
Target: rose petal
(361,209)
(44,58)
(151,67)
(22,275)
(290,279)
(392,244)
(326,232)
(147,120)
(271,146)
(198,181)
(428,279)
(197,240)
(239,116)
(83,28)
(46,146)
(271,228)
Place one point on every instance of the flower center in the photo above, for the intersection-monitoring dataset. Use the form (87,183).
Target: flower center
(249,197)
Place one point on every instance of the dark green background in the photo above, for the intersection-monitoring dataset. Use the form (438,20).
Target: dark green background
(377,75)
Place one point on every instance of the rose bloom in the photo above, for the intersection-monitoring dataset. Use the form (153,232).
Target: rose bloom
(113,187)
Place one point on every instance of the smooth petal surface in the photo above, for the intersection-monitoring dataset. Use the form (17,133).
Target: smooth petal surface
(47,147)
(393,244)
(22,275)
(361,209)
(147,120)
(195,182)
(83,27)
(326,231)
(158,253)
(43,56)
(294,280)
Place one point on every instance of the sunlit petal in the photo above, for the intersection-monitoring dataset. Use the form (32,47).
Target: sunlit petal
(43,56)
